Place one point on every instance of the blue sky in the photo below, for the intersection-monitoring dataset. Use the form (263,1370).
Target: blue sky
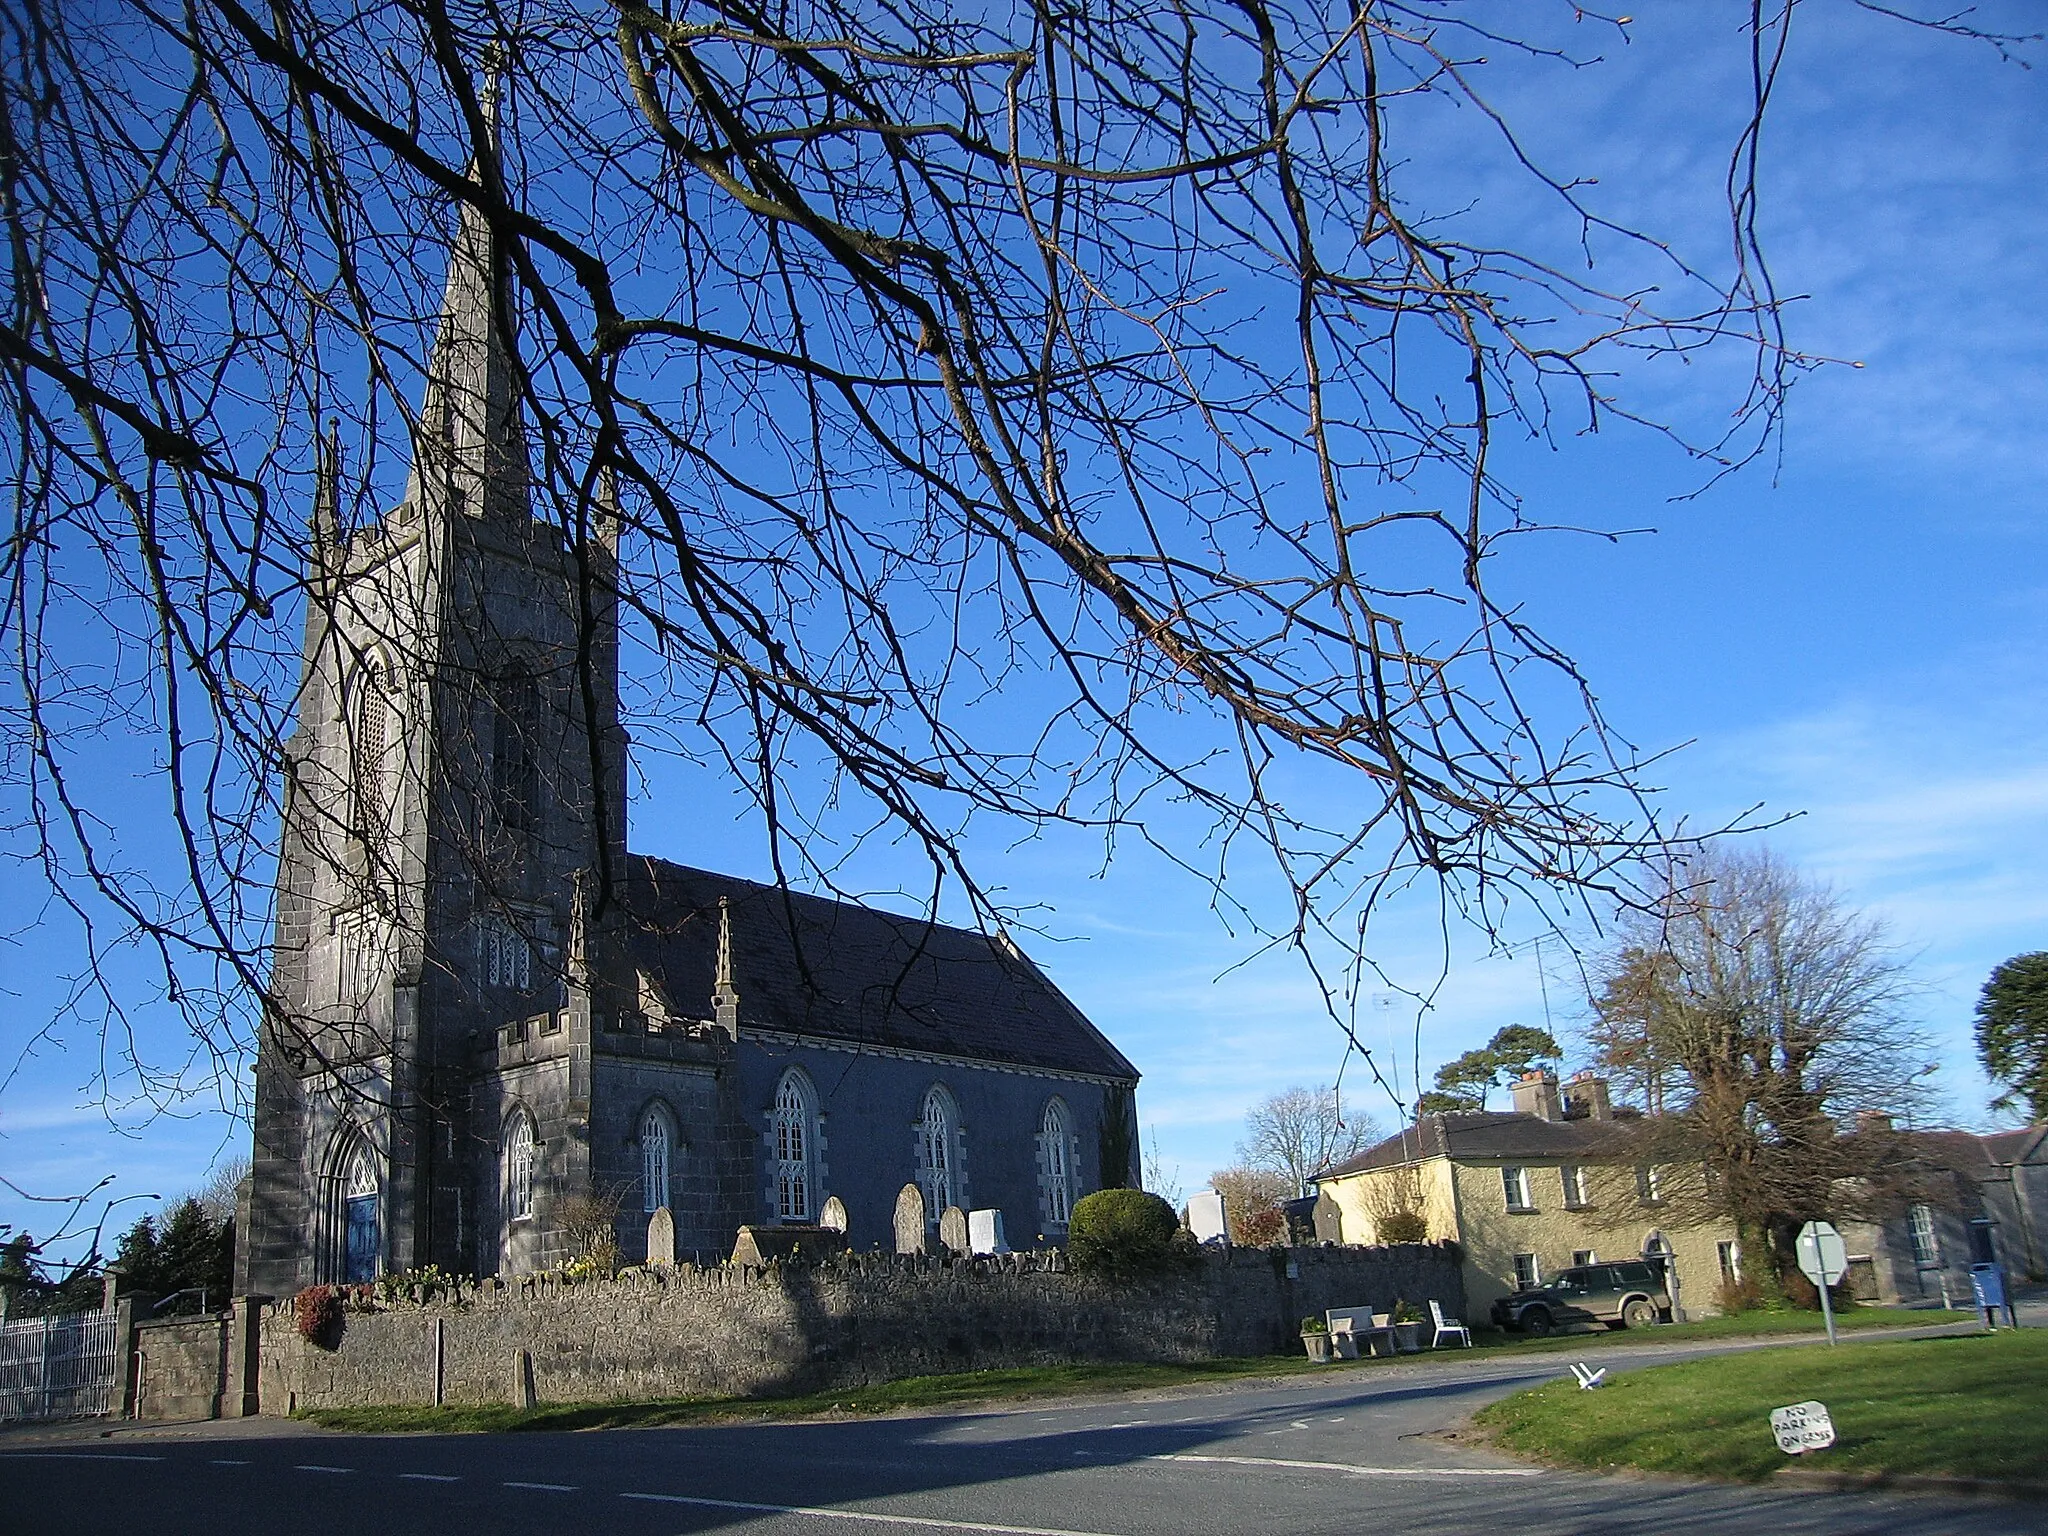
(1850,636)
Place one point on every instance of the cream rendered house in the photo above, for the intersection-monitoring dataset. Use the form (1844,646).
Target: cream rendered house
(1526,1193)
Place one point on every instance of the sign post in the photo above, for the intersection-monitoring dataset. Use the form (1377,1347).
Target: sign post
(1823,1259)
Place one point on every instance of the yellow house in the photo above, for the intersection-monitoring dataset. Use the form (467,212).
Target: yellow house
(1526,1193)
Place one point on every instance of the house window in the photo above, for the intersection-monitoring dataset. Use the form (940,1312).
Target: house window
(504,955)
(514,782)
(519,1160)
(1649,1186)
(1584,1256)
(1574,1186)
(1528,1272)
(1514,1183)
(795,1131)
(1926,1246)
(1055,1141)
(935,1154)
(1730,1255)
(654,1144)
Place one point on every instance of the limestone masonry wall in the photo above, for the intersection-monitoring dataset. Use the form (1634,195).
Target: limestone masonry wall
(731,1331)
(180,1367)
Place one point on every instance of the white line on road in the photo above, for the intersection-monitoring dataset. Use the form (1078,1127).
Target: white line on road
(871,1516)
(228,1463)
(1340,1466)
(74,1456)
(314,1466)
(429,1477)
(546,1487)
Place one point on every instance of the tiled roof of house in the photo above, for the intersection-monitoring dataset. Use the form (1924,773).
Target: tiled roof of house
(806,965)
(1486,1135)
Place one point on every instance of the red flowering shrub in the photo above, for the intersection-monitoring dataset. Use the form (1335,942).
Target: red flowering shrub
(317,1311)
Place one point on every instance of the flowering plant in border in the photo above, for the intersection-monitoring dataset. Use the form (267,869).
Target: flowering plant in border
(317,1311)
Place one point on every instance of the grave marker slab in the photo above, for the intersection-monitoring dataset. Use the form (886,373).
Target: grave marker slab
(661,1237)
(910,1229)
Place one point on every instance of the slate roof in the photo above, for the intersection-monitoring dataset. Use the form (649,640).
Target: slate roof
(1488,1134)
(1507,1134)
(844,972)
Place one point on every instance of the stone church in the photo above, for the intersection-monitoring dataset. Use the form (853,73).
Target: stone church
(491,1019)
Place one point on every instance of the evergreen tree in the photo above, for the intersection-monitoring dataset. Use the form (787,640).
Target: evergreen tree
(2012,1032)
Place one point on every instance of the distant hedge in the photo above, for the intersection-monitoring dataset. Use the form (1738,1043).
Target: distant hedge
(1122,1234)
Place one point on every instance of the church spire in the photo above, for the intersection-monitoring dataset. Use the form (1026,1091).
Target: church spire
(470,457)
(725,997)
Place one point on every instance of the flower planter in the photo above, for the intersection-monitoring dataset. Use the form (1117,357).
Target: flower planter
(1318,1347)
(1408,1338)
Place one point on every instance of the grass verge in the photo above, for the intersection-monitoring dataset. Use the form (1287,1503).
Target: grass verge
(992,1386)
(1970,1405)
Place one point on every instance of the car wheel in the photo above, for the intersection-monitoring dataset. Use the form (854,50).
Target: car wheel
(1638,1314)
(1536,1322)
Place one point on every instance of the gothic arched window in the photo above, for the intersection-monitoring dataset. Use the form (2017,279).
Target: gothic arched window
(794,1125)
(654,1150)
(1056,1163)
(519,1161)
(515,781)
(937,1149)
(372,747)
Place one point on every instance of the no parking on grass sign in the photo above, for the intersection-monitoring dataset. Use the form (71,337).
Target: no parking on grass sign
(1803,1427)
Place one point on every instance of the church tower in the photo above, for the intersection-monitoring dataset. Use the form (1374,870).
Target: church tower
(453,846)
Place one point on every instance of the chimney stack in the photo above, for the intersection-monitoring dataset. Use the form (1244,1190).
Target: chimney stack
(1536,1094)
(1585,1098)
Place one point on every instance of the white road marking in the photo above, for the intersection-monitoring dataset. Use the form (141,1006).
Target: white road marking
(313,1466)
(872,1517)
(546,1487)
(1340,1466)
(229,1463)
(429,1477)
(74,1456)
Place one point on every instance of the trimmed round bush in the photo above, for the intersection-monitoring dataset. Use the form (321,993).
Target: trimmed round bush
(1121,1234)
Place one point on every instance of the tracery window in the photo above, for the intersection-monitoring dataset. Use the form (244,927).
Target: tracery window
(654,1147)
(373,741)
(519,1161)
(1056,1162)
(794,1127)
(936,1149)
(504,954)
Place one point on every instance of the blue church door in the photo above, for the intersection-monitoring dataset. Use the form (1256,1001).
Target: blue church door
(360,1253)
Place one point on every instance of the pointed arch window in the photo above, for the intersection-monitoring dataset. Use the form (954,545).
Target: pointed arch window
(936,1149)
(515,780)
(794,1127)
(655,1142)
(1056,1163)
(373,736)
(519,1167)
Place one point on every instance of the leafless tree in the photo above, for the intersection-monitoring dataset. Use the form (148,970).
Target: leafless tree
(1017,412)
(1299,1133)
(1761,1015)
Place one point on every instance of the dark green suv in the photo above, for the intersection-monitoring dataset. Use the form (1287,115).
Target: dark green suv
(1628,1294)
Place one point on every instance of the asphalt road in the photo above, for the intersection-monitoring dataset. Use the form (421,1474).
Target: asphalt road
(1349,1452)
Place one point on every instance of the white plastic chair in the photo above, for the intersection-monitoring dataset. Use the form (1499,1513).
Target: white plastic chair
(1446,1325)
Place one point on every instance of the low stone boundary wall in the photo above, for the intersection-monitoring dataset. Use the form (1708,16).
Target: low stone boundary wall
(180,1367)
(733,1331)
